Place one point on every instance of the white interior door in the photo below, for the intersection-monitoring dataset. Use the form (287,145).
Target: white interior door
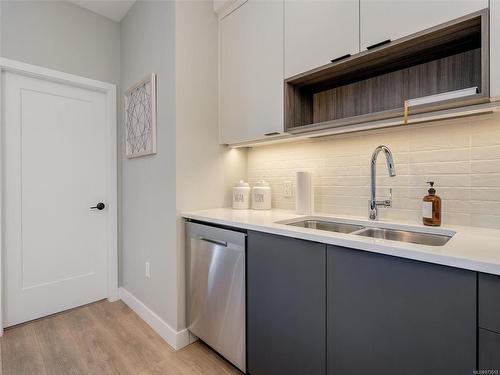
(54,163)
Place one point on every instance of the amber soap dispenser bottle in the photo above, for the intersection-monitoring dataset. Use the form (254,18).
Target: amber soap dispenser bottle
(431,207)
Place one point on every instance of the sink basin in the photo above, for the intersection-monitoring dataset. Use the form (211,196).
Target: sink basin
(405,236)
(367,230)
(327,225)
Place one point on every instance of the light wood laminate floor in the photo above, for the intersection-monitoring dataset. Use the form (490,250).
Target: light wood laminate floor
(101,338)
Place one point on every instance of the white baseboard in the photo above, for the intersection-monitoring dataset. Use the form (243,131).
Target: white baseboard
(176,339)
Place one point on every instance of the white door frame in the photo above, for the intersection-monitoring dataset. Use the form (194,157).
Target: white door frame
(7,65)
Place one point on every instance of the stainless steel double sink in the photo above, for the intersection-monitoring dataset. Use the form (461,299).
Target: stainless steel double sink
(401,235)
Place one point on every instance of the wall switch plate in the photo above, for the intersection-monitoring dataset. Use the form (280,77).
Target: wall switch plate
(288,189)
(148,270)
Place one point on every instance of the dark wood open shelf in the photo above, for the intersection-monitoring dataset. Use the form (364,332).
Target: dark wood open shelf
(374,84)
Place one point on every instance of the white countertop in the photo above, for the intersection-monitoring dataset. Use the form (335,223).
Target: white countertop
(471,248)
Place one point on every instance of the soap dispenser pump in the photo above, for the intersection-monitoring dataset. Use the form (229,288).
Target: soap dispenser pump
(431,207)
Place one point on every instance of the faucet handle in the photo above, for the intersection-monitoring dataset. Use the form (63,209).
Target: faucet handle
(386,202)
(389,201)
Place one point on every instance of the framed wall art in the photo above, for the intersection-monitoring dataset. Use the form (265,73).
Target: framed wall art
(140,118)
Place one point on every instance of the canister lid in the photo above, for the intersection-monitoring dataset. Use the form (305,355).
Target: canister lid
(242,183)
(262,183)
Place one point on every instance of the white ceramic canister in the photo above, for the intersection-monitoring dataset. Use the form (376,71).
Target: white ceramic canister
(261,196)
(241,196)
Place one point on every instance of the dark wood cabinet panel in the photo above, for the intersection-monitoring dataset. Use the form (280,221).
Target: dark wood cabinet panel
(389,315)
(286,304)
(489,302)
(489,350)
(389,91)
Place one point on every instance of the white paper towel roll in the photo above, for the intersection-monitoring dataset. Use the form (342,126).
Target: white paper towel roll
(304,193)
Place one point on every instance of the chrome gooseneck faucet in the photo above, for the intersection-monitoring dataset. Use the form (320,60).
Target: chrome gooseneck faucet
(392,172)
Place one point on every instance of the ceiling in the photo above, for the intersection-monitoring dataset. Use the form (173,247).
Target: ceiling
(112,9)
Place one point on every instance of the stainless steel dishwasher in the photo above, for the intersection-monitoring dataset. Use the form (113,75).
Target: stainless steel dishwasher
(215,262)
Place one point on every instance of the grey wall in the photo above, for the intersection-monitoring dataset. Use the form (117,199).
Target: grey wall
(148,183)
(61,36)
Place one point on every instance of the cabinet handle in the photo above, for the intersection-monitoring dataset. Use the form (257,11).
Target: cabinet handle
(272,133)
(341,58)
(378,44)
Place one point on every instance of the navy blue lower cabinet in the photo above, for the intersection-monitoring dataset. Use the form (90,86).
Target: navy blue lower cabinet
(286,305)
(389,315)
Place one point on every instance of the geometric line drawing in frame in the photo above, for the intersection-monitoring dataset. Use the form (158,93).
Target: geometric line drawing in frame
(140,118)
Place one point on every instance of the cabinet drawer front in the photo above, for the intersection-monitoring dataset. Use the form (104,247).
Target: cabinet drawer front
(489,302)
(286,303)
(489,350)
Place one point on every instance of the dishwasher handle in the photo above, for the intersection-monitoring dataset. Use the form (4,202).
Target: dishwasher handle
(216,236)
(215,242)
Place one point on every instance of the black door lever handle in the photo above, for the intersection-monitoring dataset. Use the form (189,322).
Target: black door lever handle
(100,206)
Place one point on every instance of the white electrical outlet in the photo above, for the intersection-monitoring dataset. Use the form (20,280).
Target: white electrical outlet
(148,270)
(288,189)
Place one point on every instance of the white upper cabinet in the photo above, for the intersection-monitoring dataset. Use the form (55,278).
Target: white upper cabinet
(251,72)
(224,7)
(220,5)
(494,49)
(392,19)
(317,31)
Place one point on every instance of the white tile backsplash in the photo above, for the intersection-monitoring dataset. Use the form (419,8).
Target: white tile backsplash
(462,156)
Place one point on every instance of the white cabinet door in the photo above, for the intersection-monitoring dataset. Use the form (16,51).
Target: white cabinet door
(494,49)
(393,19)
(251,72)
(317,31)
